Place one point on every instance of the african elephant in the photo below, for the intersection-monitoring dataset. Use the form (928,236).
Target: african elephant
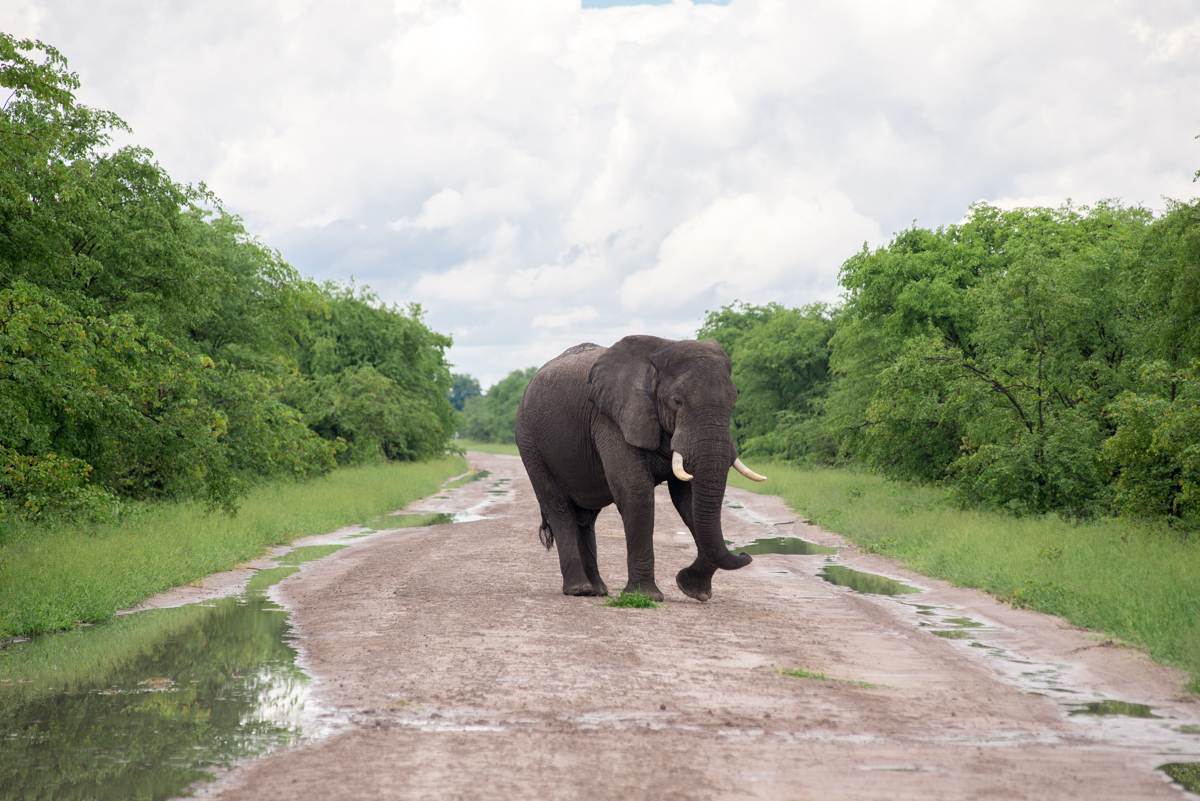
(607,425)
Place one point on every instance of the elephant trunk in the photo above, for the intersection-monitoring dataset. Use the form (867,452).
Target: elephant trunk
(708,494)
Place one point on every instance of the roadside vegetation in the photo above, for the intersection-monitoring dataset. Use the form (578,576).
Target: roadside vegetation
(1029,361)
(505,448)
(54,577)
(152,350)
(174,396)
(1132,580)
(492,417)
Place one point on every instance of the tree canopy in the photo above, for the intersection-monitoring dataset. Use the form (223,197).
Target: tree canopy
(150,348)
(1031,360)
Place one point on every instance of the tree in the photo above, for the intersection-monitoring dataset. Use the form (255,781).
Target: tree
(493,417)
(463,386)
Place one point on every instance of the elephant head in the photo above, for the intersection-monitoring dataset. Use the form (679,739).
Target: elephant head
(674,396)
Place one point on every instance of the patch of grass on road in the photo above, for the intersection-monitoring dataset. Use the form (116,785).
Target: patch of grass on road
(55,578)
(504,448)
(801,673)
(1186,773)
(631,600)
(1132,581)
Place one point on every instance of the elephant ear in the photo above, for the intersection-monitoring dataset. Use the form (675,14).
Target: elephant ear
(623,383)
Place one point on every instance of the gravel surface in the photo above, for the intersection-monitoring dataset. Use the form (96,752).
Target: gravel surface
(451,666)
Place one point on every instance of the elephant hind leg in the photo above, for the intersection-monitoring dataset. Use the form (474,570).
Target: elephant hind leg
(586,518)
(563,526)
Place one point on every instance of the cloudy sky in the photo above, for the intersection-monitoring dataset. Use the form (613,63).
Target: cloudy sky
(538,174)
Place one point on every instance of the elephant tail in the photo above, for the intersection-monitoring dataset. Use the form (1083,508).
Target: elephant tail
(545,534)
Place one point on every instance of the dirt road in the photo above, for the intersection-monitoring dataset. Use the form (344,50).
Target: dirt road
(460,671)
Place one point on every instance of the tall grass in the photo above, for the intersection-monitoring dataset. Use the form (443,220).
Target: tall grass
(506,448)
(55,578)
(1137,582)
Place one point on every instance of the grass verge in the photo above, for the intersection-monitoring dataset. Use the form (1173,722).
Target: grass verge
(505,448)
(1137,583)
(52,579)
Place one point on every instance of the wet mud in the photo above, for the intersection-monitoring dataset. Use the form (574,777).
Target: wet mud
(442,661)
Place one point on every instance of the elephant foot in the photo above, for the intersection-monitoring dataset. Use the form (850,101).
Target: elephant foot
(585,588)
(695,583)
(647,588)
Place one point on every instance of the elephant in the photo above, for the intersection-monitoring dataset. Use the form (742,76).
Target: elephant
(607,425)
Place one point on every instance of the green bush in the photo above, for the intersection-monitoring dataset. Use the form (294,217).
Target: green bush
(493,417)
(150,349)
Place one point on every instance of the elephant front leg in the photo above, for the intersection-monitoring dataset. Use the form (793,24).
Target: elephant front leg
(637,515)
(695,580)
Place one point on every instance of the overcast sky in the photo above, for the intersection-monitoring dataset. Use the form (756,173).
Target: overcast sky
(537,174)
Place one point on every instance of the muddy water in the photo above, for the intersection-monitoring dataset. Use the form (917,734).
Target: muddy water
(153,702)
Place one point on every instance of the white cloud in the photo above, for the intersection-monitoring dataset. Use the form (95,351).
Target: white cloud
(584,314)
(741,246)
(506,163)
(450,208)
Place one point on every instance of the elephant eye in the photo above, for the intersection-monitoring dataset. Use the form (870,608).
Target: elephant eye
(678,401)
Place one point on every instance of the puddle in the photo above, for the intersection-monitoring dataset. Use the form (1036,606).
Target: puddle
(1110,707)
(788,545)
(955,634)
(863,582)
(474,475)
(148,704)
(399,520)
(152,702)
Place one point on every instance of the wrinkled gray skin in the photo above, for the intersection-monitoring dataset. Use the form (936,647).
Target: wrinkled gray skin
(598,425)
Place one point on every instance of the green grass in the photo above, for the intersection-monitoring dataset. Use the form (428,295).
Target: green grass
(1137,583)
(506,448)
(52,579)
(1186,773)
(631,600)
(801,673)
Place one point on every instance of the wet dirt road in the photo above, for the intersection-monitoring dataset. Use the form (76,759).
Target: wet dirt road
(457,669)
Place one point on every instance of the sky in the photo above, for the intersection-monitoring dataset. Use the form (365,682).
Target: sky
(537,174)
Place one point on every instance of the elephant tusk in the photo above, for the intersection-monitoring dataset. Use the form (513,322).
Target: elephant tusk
(746,471)
(677,467)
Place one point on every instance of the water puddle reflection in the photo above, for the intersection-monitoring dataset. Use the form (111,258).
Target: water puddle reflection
(863,582)
(1115,708)
(148,704)
(787,545)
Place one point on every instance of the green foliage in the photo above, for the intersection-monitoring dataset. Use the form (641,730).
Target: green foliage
(150,349)
(781,370)
(1132,580)
(631,600)
(493,417)
(374,377)
(997,346)
(463,386)
(1034,360)
(1155,453)
(51,577)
